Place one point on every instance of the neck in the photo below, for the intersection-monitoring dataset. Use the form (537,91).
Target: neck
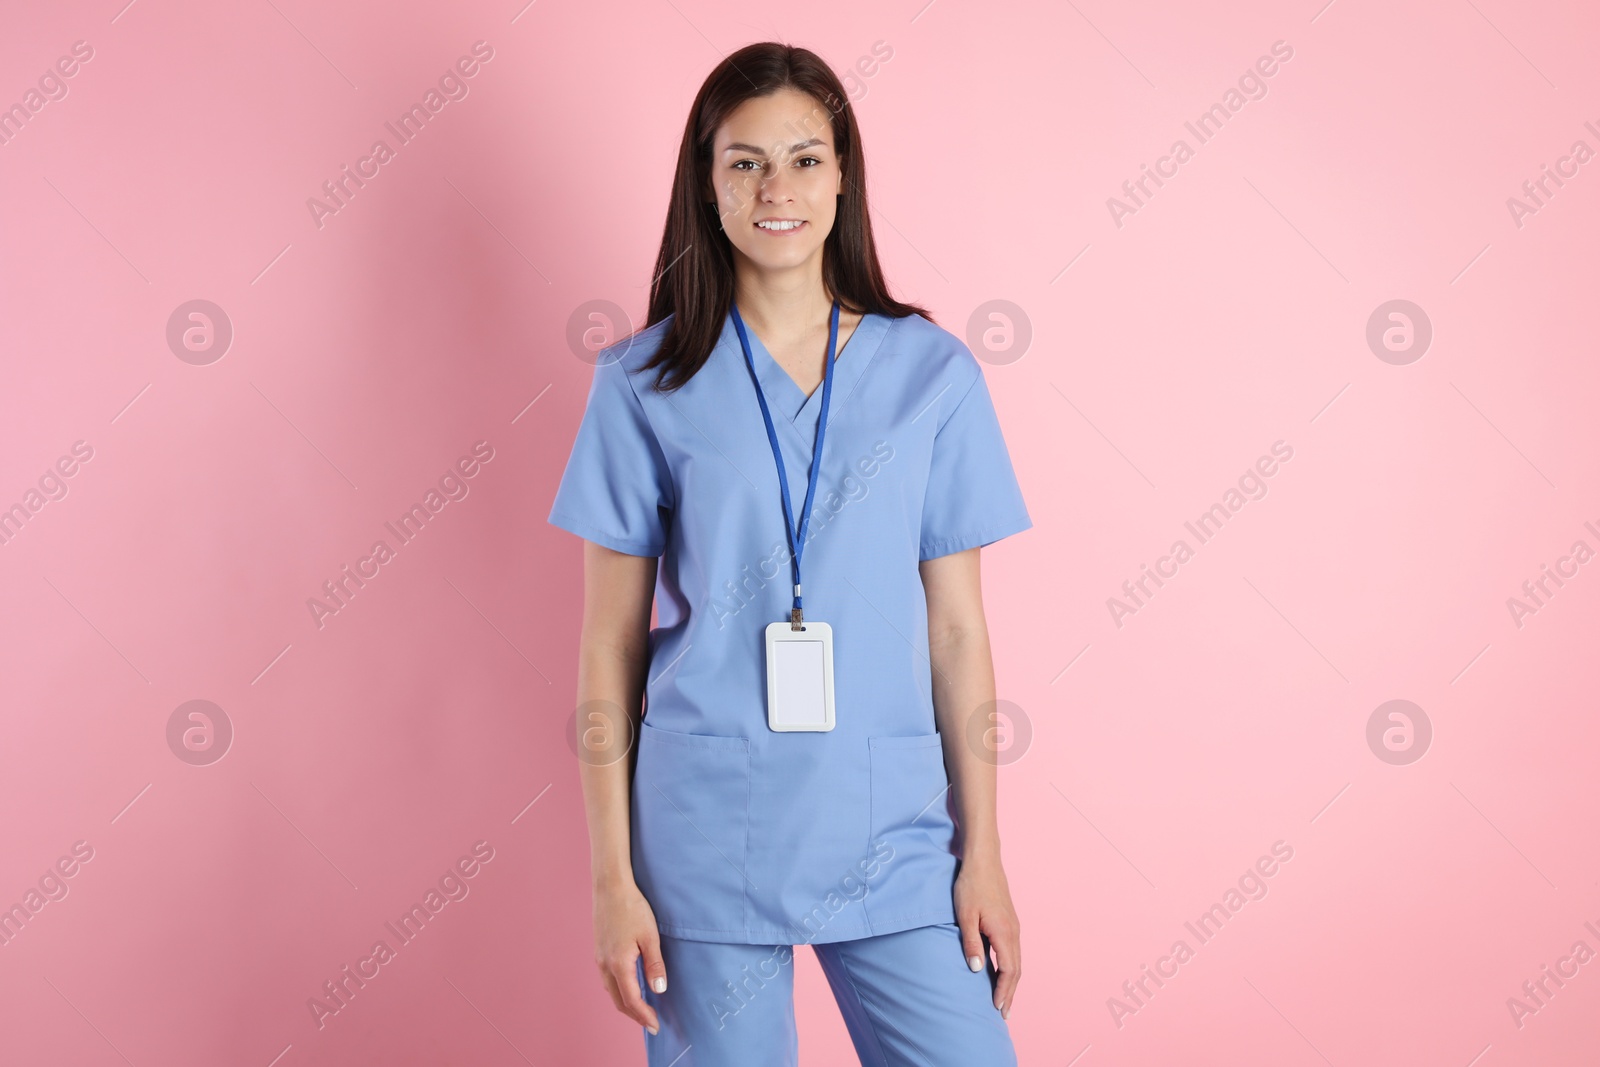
(781,304)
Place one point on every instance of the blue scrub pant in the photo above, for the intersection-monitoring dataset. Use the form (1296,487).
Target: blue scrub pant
(908,1000)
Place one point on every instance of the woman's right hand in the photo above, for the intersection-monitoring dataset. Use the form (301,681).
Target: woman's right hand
(624,930)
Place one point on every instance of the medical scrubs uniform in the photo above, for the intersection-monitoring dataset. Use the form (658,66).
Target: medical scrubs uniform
(744,837)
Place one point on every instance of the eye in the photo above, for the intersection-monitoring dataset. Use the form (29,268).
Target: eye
(812,159)
(740,165)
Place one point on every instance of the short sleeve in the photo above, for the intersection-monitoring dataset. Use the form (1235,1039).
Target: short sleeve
(973,498)
(616,490)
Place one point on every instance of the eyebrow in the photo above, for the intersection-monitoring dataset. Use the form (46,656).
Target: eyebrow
(739,146)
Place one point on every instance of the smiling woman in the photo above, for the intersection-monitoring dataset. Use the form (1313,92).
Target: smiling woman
(771,180)
(773,757)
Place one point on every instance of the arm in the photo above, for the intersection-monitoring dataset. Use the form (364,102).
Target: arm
(963,684)
(612,661)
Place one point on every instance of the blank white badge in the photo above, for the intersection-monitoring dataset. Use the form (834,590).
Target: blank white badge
(800,676)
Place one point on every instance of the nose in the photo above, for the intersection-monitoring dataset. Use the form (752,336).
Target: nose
(774,181)
(776,194)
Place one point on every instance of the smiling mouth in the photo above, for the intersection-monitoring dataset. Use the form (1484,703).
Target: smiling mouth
(780,225)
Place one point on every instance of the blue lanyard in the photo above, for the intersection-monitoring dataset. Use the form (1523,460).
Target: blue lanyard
(797,540)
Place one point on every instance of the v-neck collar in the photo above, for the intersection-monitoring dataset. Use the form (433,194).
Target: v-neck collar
(788,400)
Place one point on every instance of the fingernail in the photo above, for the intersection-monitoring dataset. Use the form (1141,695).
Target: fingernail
(659,985)
(1005,1012)
(975,962)
(652,1029)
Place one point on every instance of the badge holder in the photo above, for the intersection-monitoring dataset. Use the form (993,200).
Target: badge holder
(800,676)
(799,653)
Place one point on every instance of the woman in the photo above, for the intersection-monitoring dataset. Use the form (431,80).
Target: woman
(803,766)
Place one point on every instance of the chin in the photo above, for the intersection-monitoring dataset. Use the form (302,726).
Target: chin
(789,260)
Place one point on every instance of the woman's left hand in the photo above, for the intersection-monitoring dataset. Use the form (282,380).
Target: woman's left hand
(983,908)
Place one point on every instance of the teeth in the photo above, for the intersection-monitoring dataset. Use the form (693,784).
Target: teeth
(777,225)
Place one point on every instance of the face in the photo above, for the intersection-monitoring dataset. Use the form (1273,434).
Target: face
(775,178)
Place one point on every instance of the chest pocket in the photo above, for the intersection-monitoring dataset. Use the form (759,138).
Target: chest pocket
(691,796)
(910,793)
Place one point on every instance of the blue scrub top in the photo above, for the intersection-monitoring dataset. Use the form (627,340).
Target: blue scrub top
(741,833)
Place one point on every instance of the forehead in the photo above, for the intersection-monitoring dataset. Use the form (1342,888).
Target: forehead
(776,121)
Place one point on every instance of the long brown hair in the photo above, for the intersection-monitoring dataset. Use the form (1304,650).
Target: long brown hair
(694,270)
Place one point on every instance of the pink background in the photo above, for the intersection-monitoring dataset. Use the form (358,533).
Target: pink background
(431,312)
